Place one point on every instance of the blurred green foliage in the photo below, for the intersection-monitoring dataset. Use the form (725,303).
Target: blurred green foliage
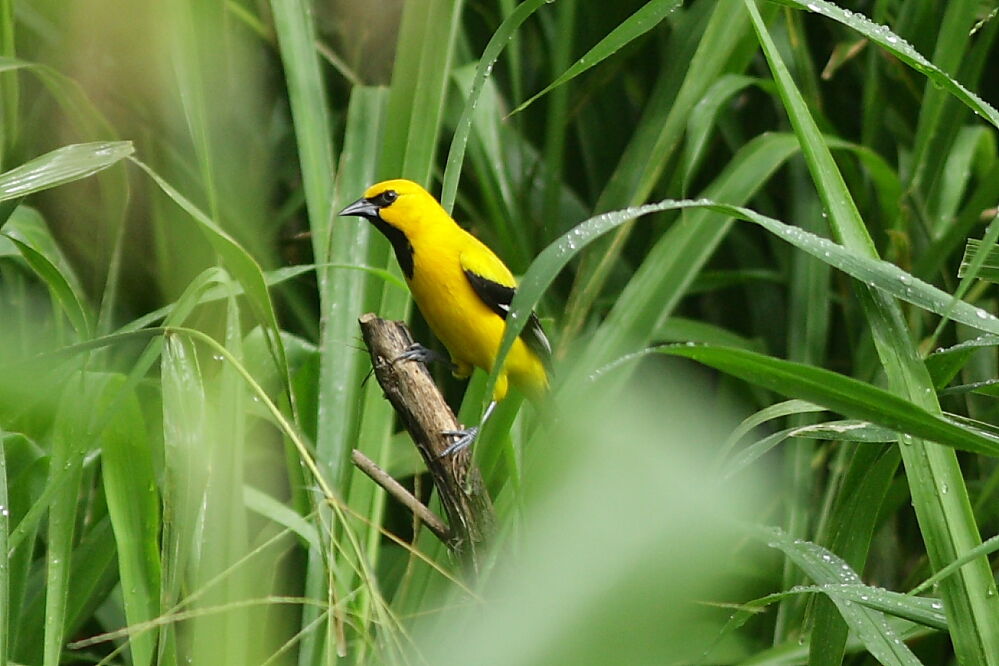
(182,379)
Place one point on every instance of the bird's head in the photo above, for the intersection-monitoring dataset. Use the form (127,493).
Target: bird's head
(401,204)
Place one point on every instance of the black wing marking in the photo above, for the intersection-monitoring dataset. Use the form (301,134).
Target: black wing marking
(498,297)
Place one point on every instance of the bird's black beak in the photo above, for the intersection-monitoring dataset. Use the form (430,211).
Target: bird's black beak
(361,208)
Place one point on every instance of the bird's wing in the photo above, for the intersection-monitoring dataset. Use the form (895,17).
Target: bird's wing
(494,284)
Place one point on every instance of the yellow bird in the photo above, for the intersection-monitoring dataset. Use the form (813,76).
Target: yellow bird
(461,287)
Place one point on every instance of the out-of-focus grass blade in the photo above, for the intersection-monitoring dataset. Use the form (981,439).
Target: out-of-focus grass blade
(647,17)
(705,114)
(60,287)
(839,393)
(825,568)
(500,38)
(268,507)
(240,263)
(133,504)
(935,132)
(10,95)
(946,519)
(69,433)
(901,49)
(306,92)
(5,621)
(63,165)
(184,426)
(419,85)
(273,278)
(344,296)
(970,143)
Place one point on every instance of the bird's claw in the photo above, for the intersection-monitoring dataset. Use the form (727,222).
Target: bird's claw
(465,438)
(424,355)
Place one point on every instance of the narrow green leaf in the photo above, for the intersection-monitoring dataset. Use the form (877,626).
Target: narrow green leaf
(939,493)
(648,16)
(296,35)
(133,504)
(499,40)
(901,49)
(839,393)
(825,568)
(60,287)
(6,625)
(240,263)
(63,165)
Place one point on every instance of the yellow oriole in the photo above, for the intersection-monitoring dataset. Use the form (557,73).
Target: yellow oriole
(461,287)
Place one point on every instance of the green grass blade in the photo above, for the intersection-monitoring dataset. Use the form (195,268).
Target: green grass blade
(499,40)
(295,30)
(6,623)
(826,568)
(419,84)
(62,517)
(840,393)
(10,93)
(133,504)
(647,17)
(654,143)
(901,49)
(62,165)
(240,263)
(945,518)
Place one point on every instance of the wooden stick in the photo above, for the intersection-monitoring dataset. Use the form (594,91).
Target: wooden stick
(426,415)
(398,491)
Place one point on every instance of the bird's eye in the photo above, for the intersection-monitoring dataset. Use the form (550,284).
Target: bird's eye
(385,198)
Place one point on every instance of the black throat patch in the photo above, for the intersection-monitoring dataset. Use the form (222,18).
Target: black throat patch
(403,249)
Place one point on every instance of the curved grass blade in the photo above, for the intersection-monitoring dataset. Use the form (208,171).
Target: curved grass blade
(876,273)
(946,519)
(647,17)
(499,40)
(827,569)
(777,411)
(841,394)
(59,285)
(293,26)
(240,263)
(901,49)
(62,165)
(841,431)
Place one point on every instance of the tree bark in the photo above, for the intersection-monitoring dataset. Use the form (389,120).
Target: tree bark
(426,416)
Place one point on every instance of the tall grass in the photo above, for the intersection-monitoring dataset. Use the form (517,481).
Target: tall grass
(772,431)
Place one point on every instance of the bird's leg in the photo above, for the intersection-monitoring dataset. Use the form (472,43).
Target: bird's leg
(466,436)
(425,355)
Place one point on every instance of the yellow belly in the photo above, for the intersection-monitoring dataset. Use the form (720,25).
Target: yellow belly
(470,330)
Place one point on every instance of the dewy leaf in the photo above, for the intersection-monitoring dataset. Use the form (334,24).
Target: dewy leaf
(63,165)
(830,572)
(840,393)
(901,49)
(877,273)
